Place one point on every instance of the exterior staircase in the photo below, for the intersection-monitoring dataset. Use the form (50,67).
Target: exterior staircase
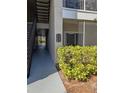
(41,15)
(42,11)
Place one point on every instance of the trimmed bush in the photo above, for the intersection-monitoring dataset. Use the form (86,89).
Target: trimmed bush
(77,62)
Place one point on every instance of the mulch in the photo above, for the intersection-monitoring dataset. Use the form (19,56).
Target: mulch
(74,86)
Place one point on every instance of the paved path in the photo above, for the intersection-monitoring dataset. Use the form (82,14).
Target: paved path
(44,77)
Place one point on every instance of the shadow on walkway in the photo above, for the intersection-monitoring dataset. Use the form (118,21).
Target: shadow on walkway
(42,66)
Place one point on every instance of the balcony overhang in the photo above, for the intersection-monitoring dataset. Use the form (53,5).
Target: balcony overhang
(69,13)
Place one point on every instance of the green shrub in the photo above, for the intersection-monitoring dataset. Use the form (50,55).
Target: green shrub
(77,62)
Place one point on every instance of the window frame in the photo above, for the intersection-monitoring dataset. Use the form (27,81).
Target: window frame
(84,7)
(90,10)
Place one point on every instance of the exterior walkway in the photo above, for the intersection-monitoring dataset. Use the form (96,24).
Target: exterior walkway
(44,77)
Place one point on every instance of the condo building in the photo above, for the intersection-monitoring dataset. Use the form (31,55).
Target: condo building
(55,23)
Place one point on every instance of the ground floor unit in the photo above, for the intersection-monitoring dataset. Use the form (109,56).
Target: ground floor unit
(52,25)
(73,32)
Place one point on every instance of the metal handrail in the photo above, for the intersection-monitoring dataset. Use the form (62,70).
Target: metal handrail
(30,45)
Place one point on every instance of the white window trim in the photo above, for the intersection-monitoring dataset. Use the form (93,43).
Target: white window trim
(84,5)
(80,10)
(70,32)
(83,10)
(84,33)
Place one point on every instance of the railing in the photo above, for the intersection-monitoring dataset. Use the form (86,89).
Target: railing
(30,45)
(89,5)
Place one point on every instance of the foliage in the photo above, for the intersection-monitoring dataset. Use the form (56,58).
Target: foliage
(77,62)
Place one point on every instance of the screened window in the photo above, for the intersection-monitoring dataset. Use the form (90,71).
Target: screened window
(80,32)
(76,4)
(73,32)
(91,5)
(90,33)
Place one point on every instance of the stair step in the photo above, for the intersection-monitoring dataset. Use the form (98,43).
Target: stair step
(43,2)
(40,14)
(42,7)
(42,18)
(42,11)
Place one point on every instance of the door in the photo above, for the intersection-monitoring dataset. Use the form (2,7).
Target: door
(71,39)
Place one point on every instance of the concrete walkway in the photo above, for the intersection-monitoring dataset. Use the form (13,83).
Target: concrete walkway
(44,77)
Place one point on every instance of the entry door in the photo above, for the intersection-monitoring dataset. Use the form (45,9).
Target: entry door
(71,39)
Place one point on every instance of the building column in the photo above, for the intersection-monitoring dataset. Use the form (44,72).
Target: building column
(84,33)
(56,27)
(58,6)
(80,38)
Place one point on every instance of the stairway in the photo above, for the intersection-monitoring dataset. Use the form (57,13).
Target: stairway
(41,8)
(42,11)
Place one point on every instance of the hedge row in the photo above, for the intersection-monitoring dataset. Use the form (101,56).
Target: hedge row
(77,62)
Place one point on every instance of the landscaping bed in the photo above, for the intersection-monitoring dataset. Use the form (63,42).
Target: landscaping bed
(78,68)
(74,86)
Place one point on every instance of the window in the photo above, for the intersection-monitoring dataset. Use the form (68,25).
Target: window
(80,32)
(76,4)
(91,5)
(71,39)
(73,32)
(90,33)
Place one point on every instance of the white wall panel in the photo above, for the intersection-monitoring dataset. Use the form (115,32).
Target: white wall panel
(78,14)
